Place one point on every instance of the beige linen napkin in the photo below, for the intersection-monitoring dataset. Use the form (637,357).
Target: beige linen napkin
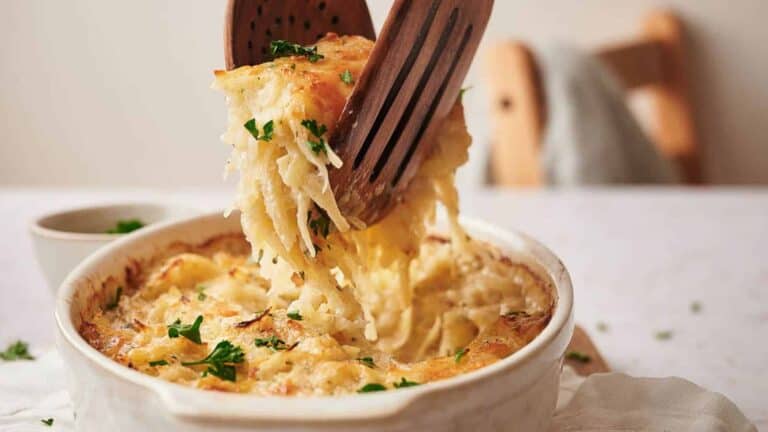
(618,402)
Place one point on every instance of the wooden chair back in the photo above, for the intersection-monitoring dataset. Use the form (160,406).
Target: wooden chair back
(654,63)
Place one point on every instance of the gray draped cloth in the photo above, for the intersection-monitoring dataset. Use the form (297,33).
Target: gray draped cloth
(591,137)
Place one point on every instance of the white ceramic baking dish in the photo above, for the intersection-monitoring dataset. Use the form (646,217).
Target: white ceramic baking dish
(515,394)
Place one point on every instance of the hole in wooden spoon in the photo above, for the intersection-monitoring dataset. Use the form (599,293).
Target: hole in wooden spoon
(506,103)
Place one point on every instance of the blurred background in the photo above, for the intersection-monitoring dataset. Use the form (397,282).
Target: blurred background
(108,93)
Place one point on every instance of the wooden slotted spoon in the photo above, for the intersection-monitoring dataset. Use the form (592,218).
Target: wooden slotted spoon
(407,88)
(250,25)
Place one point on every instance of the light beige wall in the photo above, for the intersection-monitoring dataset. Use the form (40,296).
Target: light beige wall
(108,92)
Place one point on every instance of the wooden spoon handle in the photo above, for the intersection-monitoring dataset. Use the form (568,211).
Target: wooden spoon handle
(251,25)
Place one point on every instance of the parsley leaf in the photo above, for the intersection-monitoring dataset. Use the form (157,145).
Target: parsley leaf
(371,387)
(346,77)
(269,128)
(281,48)
(317,130)
(464,90)
(295,315)
(602,327)
(317,147)
(322,224)
(405,383)
(695,307)
(189,331)
(201,292)
(314,128)
(125,226)
(459,354)
(221,361)
(115,301)
(271,342)
(47,422)
(16,351)
(368,361)
(578,356)
(158,363)
(663,335)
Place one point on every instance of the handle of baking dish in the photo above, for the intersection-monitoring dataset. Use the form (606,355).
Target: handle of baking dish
(194,404)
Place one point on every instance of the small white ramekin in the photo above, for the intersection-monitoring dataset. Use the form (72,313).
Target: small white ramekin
(517,393)
(64,238)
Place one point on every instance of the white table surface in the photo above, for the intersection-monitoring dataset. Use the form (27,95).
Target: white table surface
(638,258)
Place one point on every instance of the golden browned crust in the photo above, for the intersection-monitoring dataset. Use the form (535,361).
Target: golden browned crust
(113,332)
(318,83)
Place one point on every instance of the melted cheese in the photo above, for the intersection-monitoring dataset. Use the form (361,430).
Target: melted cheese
(459,303)
(283,183)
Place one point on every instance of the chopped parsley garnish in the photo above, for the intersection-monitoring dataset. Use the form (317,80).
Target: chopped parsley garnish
(16,351)
(602,327)
(124,226)
(282,48)
(317,147)
(663,335)
(320,225)
(274,259)
(314,128)
(295,315)
(158,363)
(459,354)
(368,361)
(578,356)
(47,422)
(261,255)
(116,300)
(404,383)
(271,342)
(317,130)
(695,307)
(464,90)
(201,292)
(371,387)
(302,275)
(189,331)
(221,361)
(346,77)
(269,128)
